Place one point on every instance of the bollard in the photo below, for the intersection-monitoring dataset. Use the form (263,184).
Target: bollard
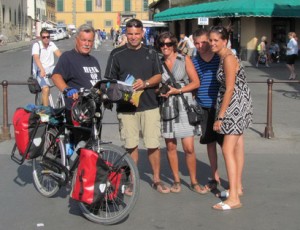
(269,128)
(5,129)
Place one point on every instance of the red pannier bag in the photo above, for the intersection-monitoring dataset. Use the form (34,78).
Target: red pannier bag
(29,135)
(92,177)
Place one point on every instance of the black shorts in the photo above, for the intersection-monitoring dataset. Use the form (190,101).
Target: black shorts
(208,134)
(290,59)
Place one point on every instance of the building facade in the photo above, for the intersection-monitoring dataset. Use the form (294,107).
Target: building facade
(246,30)
(13,19)
(101,14)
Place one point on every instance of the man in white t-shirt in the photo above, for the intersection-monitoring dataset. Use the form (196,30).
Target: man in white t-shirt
(43,62)
(185,45)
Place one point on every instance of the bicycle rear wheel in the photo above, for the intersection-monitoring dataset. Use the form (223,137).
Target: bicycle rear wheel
(43,170)
(116,205)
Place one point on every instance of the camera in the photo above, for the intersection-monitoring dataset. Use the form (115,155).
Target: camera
(164,88)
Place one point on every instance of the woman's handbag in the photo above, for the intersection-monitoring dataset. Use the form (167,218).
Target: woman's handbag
(195,112)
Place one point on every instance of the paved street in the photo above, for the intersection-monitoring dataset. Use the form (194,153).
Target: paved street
(271,176)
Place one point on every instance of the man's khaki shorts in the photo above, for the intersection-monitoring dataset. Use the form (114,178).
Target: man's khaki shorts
(148,122)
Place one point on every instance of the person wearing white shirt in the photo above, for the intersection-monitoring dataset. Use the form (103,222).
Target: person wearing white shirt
(43,62)
(291,54)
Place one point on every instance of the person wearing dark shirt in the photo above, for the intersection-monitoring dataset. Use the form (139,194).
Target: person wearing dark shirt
(206,63)
(143,64)
(76,68)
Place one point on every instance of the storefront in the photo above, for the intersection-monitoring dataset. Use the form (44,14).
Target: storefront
(248,21)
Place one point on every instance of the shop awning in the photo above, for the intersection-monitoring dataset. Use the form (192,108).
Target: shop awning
(233,8)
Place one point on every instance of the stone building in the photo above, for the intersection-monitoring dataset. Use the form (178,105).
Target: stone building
(13,19)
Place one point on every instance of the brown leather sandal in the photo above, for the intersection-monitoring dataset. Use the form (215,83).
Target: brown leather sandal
(160,187)
(202,191)
(176,187)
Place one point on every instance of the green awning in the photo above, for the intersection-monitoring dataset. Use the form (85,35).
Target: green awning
(233,8)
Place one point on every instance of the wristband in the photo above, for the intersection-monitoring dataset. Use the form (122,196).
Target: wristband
(219,119)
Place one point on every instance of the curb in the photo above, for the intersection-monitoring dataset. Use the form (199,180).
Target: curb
(14,45)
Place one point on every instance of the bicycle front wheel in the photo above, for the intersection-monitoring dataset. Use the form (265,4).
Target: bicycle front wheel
(119,200)
(44,170)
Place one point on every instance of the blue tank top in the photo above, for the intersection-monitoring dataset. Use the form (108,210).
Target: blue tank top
(209,86)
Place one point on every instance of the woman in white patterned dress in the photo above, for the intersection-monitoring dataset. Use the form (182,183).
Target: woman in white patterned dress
(185,75)
(234,114)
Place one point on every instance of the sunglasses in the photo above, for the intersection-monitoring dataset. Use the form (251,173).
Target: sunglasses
(168,44)
(43,37)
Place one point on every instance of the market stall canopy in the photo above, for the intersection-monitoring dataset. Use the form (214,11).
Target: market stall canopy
(233,8)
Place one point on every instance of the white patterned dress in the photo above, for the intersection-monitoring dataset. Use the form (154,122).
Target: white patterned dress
(238,115)
(178,127)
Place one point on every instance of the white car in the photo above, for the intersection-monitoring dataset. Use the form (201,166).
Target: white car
(63,32)
(54,35)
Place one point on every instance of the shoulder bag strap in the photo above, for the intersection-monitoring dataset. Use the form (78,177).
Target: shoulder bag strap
(173,81)
(31,71)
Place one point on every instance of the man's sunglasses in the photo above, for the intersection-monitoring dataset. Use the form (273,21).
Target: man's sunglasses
(43,37)
(168,44)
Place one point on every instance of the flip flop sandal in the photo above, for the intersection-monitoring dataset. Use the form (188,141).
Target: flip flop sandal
(160,187)
(176,187)
(202,191)
(224,207)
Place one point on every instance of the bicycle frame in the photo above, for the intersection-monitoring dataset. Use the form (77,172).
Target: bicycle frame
(50,172)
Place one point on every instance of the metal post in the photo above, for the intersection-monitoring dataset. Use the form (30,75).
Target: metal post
(5,129)
(269,128)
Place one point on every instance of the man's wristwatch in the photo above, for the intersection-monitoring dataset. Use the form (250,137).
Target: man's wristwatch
(147,84)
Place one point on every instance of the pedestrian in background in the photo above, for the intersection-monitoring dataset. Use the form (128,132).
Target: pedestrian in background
(206,63)
(43,52)
(262,57)
(97,40)
(233,115)
(291,54)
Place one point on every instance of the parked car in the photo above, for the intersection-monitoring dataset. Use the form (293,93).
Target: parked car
(63,32)
(54,36)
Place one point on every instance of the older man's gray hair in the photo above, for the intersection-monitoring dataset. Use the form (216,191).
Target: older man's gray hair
(86,28)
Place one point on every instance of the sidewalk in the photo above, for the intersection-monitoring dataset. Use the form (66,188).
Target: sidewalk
(14,45)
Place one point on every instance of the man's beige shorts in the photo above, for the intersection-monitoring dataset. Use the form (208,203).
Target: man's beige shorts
(148,122)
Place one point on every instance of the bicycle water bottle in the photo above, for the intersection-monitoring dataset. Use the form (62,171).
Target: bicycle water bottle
(69,145)
(73,157)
